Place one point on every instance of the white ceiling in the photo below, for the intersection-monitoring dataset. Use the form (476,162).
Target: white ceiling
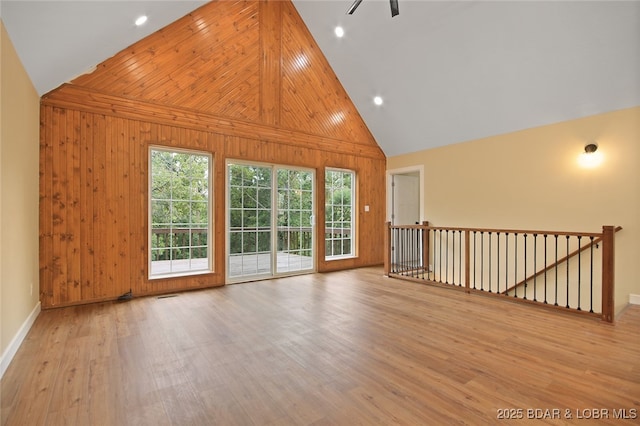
(449,71)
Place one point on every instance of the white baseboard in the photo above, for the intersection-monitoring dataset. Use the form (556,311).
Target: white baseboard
(634,299)
(17,340)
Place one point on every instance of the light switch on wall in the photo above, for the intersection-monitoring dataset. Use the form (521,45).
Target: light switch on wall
(366,208)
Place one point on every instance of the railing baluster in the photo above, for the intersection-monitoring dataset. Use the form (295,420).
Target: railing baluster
(506,262)
(453,259)
(467,260)
(489,261)
(535,268)
(474,259)
(396,250)
(525,266)
(412,248)
(515,275)
(579,271)
(440,257)
(446,268)
(567,272)
(545,268)
(591,276)
(481,261)
(556,268)
(460,258)
(498,262)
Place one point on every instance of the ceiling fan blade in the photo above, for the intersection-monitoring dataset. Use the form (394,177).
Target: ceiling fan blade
(354,6)
(395,10)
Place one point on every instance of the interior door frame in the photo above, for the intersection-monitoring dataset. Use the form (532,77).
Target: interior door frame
(389,181)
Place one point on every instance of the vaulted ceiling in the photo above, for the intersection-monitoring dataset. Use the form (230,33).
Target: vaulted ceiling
(448,71)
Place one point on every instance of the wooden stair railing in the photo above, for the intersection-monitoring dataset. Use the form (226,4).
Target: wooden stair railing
(421,260)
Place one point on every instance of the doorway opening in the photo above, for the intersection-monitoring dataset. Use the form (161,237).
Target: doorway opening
(405,201)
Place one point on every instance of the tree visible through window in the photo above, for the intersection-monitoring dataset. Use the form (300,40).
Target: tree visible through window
(339,220)
(180,226)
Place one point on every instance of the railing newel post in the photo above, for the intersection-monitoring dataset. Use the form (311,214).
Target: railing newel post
(387,250)
(425,246)
(608,272)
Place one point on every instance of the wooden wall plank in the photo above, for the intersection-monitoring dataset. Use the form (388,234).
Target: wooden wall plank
(46,204)
(100,205)
(270,70)
(58,210)
(73,228)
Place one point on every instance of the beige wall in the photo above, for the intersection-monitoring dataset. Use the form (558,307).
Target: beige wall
(531,180)
(19,129)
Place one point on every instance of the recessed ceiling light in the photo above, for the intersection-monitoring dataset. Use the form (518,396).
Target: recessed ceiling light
(339,32)
(377,100)
(141,20)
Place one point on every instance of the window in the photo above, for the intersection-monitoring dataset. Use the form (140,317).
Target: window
(339,217)
(179,212)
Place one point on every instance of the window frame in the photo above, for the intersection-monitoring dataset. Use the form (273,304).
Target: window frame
(210,208)
(353,231)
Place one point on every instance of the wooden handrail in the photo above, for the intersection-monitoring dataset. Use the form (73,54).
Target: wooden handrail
(501,231)
(558,262)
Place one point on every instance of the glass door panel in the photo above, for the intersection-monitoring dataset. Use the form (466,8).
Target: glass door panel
(250,221)
(295,220)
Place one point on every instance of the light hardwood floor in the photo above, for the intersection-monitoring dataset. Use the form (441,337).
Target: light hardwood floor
(340,348)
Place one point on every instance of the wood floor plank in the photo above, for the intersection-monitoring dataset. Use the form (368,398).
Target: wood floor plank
(341,348)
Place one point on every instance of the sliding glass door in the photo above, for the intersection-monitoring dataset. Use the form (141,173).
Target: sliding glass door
(270,221)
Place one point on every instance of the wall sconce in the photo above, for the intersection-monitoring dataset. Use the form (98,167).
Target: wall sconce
(590,158)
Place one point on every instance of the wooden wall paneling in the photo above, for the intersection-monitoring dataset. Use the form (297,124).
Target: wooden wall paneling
(225,59)
(46,214)
(313,100)
(216,144)
(125,198)
(100,242)
(208,61)
(86,207)
(59,265)
(111,201)
(132,197)
(85,100)
(270,70)
(123,72)
(140,208)
(149,136)
(374,174)
(119,181)
(72,189)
